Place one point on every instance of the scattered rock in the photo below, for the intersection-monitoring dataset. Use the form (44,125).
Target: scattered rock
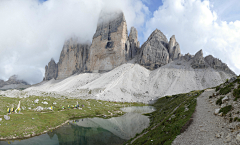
(223,105)
(54,103)
(220,114)
(39,108)
(6,117)
(0,119)
(238,137)
(228,138)
(218,135)
(225,99)
(36,101)
(45,103)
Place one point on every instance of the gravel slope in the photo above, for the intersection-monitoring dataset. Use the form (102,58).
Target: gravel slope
(132,82)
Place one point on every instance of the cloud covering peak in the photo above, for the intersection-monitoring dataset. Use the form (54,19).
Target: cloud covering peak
(33,32)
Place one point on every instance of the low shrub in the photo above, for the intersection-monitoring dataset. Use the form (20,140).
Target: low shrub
(226,89)
(231,119)
(217,88)
(236,118)
(226,109)
(236,93)
(219,101)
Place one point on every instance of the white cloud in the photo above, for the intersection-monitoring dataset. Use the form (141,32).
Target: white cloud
(32,32)
(196,26)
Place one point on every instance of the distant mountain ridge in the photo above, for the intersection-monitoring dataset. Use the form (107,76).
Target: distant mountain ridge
(13,83)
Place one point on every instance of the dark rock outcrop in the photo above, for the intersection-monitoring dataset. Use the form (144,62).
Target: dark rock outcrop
(154,52)
(51,70)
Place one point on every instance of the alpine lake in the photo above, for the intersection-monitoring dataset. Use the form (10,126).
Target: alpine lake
(92,131)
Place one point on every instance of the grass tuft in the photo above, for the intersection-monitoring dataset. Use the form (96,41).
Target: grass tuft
(226,109)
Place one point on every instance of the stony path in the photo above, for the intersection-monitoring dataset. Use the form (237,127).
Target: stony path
(205,126)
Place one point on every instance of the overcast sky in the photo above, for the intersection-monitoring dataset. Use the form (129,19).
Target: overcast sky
(33,31)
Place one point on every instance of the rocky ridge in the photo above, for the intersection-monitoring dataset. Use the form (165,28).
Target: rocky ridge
(13,83)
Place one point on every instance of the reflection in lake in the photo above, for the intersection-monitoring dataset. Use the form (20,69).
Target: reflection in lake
(92,131)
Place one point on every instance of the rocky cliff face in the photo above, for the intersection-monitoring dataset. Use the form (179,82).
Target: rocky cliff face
(133,45)
(111,47)
(217,64)
(198,61)
(51,70)
(174,48)
(108,49)
(154,52)
(73,58)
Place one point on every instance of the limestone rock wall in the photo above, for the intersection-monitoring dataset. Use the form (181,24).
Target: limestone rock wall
(154,52)
(73,58)
(108,49)
(133,45)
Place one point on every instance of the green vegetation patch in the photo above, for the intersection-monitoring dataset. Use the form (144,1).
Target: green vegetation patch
(219,101)
(226,109)
(172,116)
(32,122)
(227,89)
(236,93)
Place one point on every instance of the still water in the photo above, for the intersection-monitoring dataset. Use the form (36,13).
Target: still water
(94,131)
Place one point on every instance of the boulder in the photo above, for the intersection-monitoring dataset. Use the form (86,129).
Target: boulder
(39,108)
(6,117)
(154,52)
(223,105)
(238,137)
(225,99)
(216,111)
(0,119)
